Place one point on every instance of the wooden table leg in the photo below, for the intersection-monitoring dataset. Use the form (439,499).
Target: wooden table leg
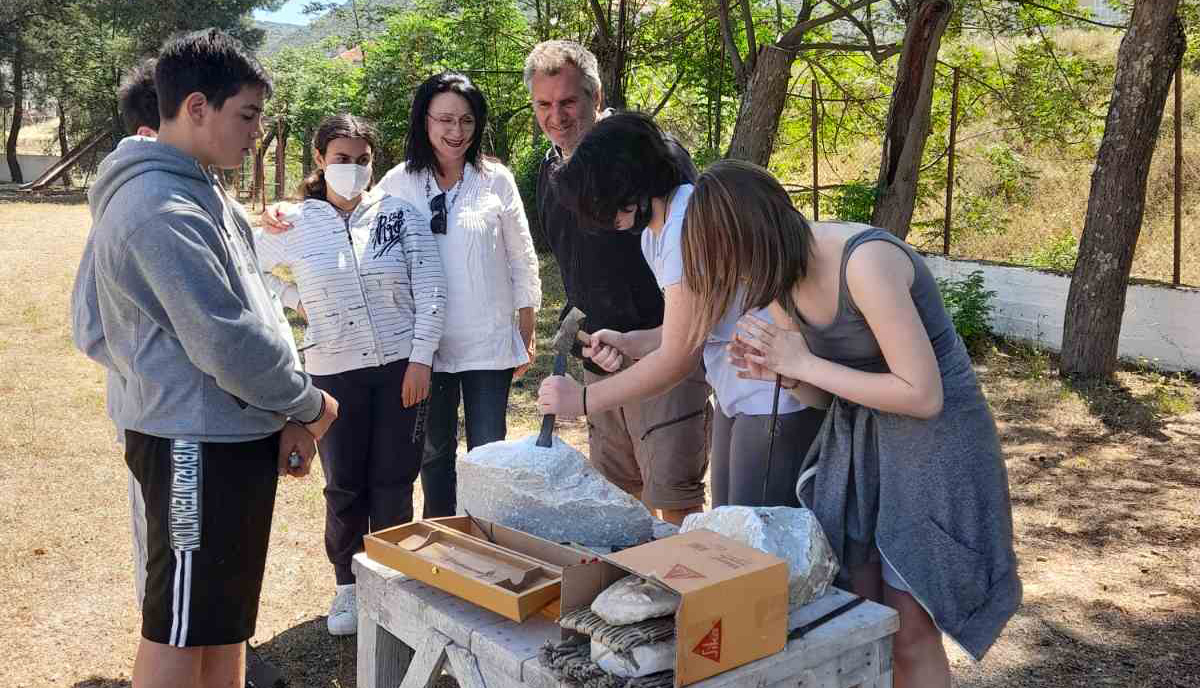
(884,651)
(464,668)
(383,660)
(427,663)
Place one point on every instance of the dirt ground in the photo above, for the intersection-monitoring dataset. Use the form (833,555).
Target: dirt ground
(1105,485)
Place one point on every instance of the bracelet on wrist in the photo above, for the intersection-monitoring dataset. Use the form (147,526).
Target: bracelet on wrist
(320,413)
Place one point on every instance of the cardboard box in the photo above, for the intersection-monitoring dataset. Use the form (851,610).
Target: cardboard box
(733,599)
(507,571)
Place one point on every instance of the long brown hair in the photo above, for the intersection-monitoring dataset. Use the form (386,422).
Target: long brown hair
(341,126)
(741,230)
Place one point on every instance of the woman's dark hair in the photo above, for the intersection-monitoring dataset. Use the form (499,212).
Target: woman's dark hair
(340,126)
(419,154)
(624,160)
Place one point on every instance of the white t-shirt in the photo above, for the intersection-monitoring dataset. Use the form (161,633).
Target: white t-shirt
(664,253)
(737,395)
(664,250)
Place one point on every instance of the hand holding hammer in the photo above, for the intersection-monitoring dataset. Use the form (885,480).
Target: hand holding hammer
(564,339)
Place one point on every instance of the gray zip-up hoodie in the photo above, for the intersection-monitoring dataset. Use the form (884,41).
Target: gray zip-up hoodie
(181,313)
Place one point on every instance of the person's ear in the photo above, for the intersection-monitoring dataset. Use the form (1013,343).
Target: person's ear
(194,107)
(318,159)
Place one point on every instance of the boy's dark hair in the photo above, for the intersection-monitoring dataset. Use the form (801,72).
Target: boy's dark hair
(624,160)
(340,126)
(419,154)
(137,98)
(210,62)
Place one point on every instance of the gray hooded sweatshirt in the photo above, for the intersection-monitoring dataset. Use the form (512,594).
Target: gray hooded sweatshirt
(180,313)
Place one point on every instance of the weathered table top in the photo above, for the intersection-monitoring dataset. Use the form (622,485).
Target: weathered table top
(485,649)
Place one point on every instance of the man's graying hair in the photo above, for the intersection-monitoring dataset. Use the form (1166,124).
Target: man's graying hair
(549,57)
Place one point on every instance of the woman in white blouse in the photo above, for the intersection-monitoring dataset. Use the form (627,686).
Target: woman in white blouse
(492,285)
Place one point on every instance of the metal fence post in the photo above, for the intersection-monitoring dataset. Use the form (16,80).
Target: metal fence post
(816,200)
(950,165)
(1178,173)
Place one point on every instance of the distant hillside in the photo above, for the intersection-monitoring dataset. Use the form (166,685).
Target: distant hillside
(338,22)
(277,34)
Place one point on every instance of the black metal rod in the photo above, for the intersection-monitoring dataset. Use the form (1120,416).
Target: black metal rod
(950,165)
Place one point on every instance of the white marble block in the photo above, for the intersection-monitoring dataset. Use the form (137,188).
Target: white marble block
(551,492)
(793,535)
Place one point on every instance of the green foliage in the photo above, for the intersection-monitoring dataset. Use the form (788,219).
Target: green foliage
(76,51)
(855,201)
(525,167)
(970,307)
(1011,177)
(309,86)
(1056,98)
(486,39)
(1058,253)
(979,214)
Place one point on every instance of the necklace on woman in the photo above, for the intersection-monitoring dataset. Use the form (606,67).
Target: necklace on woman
(449,199)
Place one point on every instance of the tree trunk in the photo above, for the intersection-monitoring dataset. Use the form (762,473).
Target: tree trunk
(1147,61)
(611,49)
(908,117)
(18,88)
(63,147)
(281,137)
(258,191)
(306,156)
(761,106)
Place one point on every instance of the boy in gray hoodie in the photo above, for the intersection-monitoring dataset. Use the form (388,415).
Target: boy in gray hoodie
(212,404)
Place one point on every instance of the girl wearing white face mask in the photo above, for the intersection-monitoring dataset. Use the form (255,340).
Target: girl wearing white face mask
(369,280)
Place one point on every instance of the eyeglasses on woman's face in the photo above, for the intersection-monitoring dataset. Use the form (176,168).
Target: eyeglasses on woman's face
(446,120)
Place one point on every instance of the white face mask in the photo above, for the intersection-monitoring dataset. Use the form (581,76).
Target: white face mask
(348,181)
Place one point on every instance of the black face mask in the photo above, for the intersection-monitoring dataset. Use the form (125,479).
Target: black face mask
(641,217)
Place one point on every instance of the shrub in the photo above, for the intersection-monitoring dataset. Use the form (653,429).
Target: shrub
(970,307)
(855,201)
(525,166)
(1059,253)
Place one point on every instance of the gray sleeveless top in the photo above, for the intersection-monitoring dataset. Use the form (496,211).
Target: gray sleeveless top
(931,495)
(848,340)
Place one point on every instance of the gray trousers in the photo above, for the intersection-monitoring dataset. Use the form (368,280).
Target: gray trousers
(739,456)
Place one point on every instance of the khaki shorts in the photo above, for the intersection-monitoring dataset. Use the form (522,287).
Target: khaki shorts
(657,447)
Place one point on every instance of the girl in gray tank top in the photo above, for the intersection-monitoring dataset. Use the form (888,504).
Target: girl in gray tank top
(906,475)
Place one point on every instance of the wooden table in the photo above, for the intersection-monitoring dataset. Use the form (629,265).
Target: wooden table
(482,649)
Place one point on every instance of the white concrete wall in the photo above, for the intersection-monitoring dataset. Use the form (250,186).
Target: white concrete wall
(1161,324)
(1102,11)
(32,166)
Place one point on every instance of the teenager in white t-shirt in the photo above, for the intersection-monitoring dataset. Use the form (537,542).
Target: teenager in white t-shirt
(621,175)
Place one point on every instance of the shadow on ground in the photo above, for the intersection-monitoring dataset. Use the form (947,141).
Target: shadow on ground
(1118,409)
(1120,651)
(311,658)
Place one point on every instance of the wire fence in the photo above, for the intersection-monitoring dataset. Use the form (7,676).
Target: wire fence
(947,231)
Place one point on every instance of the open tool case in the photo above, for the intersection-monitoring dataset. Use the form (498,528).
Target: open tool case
(507,571)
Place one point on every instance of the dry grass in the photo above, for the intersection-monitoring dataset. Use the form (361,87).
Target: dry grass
(1058,194)
(38,138)
(1103,479)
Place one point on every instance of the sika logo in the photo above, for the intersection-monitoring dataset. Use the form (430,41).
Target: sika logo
(709,647)
(680,571)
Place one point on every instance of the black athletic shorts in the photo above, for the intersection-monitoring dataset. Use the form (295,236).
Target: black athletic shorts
(208,521)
